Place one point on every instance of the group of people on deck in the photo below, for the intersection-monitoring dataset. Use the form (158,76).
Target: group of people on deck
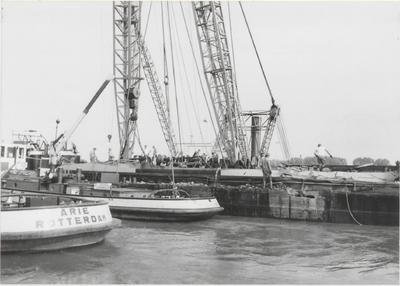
(93,157)
(151,156)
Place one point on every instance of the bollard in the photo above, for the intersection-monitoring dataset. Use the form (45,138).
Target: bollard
(78,175)
(60,175)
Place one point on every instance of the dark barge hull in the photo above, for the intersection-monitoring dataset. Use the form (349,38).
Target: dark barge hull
(164,215)
(338,206)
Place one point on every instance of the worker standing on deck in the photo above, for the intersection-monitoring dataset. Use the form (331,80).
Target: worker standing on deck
(147,154)
(214,160)
(254,162)
(319,153)
(154,158)
(266,169)
(93,155)
(110,155)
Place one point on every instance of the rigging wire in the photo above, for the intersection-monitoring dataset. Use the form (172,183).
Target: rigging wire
(258,57)
(166,81)
(148,18)
(289,153)
(189,89)
(174,77)
(137,134)
(235,90)
(180,77)
(283,137)
(198,73)
(280,124)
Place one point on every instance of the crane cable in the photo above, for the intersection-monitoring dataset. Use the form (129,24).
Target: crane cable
(259,61)
(147,22)
(140,143)
(174,77)
(198,73)
(283,136)
(235,90)
(187,82)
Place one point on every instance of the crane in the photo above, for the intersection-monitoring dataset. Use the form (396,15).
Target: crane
(218,71)
(58,144)
(219,75)
(130,54)
(127,70)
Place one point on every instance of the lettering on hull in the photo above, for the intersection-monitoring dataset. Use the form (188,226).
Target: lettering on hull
(71,217)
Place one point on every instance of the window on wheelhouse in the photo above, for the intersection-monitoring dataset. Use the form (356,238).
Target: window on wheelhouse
(10,152)
(21,153)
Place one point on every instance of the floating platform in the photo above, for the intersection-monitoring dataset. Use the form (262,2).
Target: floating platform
(335,197)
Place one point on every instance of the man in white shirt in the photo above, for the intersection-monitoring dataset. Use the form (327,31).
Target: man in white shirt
(319,153)
(93,155)
(147,153)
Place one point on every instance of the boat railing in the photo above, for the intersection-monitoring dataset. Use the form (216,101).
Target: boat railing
(25,199)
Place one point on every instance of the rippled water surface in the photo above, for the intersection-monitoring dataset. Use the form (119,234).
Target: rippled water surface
(222,250)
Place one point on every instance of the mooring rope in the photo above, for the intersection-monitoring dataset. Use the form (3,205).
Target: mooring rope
(348,205)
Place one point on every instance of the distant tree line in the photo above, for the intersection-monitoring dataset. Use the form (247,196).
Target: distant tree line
(333,161)
(313,161)
(367,160)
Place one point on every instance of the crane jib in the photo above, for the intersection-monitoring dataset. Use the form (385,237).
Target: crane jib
(96,96)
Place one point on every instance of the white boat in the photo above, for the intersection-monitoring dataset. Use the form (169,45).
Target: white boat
(139,204)
(40,222)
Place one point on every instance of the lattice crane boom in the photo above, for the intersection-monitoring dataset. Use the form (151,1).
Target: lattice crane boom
(271,122)
(127,71)
(219,76)
(158,98)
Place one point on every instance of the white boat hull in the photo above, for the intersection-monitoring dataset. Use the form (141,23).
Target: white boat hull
(125,206)
(181,209)
(45,228)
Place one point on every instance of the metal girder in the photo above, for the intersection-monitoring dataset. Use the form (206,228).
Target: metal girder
(219,75)
(158,98)
(127,70)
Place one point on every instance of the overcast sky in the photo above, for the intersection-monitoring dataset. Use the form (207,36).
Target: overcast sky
(333,67)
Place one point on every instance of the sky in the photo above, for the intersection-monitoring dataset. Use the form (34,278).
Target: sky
(333,68)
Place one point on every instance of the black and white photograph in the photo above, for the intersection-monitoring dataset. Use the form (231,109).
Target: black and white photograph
(200,142)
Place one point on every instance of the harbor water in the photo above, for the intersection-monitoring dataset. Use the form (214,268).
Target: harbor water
(221,250)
